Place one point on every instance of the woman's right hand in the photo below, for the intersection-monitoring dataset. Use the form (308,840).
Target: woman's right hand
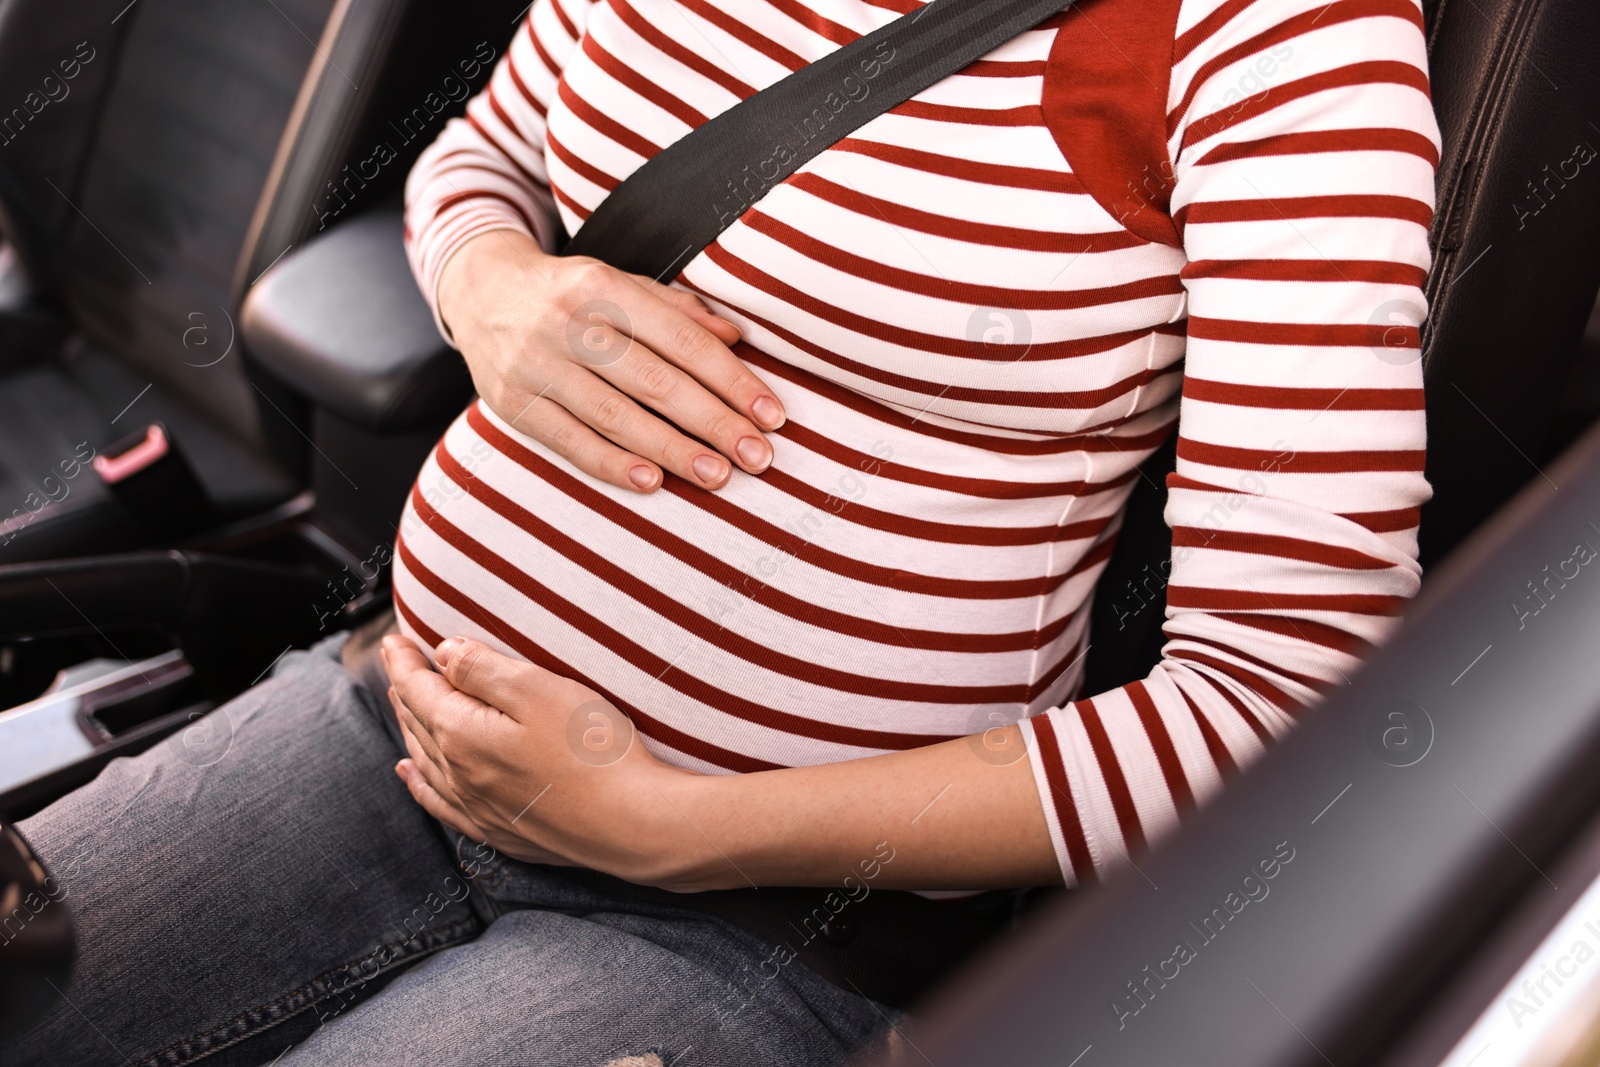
(572,352)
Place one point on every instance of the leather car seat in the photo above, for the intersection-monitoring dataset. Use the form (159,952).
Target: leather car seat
(137,139)
(178,150)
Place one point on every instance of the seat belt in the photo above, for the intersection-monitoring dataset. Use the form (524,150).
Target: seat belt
(667,211)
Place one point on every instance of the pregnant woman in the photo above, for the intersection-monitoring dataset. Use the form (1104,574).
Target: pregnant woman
(742,620)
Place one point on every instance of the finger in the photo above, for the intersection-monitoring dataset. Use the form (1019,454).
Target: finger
(725,331)
(513,686)
(688,345)
(613,414)
(426,752)
(401,657)
(441,808)
(435,805)
(661,385)
(430,773)
(569,437)
(682,299)
(435,702)
(432,769)
(691,305)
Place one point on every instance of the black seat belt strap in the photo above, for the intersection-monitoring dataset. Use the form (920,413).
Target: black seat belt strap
(666,212)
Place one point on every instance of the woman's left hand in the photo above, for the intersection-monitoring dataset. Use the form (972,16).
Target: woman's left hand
(538,766)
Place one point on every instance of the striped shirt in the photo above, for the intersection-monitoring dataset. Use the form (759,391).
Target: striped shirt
(978,335)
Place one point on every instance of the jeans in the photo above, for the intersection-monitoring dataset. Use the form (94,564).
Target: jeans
(261,889)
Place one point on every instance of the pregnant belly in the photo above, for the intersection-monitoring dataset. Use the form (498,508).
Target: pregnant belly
(831,608)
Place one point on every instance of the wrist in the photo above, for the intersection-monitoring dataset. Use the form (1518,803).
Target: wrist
(484,256)
(690,844)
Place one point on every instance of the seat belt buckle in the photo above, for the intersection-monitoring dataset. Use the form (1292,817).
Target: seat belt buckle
(152,480)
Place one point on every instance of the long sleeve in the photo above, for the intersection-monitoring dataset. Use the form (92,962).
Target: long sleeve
(486,170)
(1303,146)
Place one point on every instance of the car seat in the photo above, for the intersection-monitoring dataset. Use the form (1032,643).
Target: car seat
(261,141)
(161,155)
(129,168)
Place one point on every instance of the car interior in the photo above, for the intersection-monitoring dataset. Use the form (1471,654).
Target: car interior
(217,380)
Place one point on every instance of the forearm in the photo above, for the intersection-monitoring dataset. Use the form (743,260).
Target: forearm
(953,819)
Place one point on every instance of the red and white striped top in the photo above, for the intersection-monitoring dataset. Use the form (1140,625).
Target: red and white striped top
(975,355)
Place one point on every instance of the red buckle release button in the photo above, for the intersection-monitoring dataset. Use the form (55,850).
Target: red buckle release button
(113,469)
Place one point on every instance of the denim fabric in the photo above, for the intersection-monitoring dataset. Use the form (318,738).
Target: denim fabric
(261,889)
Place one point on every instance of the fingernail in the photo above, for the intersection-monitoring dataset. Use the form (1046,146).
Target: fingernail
(446,649)
(400,770)
(643,477)
(768,413)
(754,453)
(709,469)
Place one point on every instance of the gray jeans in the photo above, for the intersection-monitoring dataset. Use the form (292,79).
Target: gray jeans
(265,891)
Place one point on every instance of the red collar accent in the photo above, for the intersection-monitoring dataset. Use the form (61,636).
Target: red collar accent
(1105,102)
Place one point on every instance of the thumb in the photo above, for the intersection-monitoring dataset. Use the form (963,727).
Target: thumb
(513,686)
